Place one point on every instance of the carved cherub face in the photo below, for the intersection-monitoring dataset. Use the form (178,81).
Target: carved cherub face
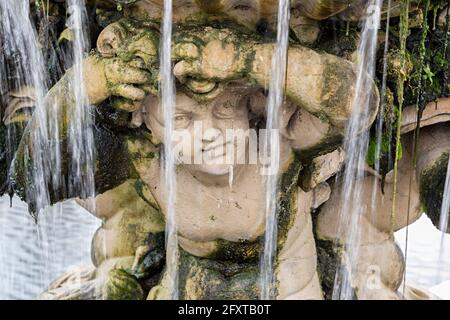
(203,137)
(245,12)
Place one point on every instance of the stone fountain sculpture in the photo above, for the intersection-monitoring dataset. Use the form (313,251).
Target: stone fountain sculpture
(221,61)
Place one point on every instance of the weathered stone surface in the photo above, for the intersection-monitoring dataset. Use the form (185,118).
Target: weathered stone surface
(433,113)
(222,52)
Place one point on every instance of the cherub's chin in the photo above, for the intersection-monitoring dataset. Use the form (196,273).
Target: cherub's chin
(215,170)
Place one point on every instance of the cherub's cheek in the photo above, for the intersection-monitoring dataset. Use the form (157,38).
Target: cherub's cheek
(239,123)
(156,128)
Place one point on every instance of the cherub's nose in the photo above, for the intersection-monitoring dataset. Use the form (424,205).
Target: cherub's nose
(211,134)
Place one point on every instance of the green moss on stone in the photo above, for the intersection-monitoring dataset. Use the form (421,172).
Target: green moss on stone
(432,188)
(206,279)
(120,285)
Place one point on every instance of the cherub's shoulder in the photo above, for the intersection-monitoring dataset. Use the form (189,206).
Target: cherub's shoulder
(142,145)
(144,156)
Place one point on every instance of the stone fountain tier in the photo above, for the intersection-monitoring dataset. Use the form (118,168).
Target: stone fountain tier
(433,151)
(434,112)
(250,12)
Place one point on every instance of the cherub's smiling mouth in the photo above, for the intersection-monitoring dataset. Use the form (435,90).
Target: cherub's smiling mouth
(215,151)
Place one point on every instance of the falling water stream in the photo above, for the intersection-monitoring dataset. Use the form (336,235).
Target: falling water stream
(355,144)
(81,138)
(55,227)
(443,220)
(20,43)
(168,104)
(272,147)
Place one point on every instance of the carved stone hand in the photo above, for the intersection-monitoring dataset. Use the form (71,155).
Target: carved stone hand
(129,55)
(212,54)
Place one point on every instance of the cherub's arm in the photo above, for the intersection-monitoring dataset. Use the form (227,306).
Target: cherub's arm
(379,265)
(419,189)
(320,83)
(322,86)
(98,74)
(128,249)
(377,262)
(120,73)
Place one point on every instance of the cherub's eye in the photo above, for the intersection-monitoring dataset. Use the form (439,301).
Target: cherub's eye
(225,111)
(181,120)
(242,7)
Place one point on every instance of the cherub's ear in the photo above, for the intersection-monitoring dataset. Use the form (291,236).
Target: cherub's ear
(137,118)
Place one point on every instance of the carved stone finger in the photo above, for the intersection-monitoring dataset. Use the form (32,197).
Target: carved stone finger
(117,72)
(128,92)
(183,69)
(183,51)
(137,63)
(126,105)
(150,89)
